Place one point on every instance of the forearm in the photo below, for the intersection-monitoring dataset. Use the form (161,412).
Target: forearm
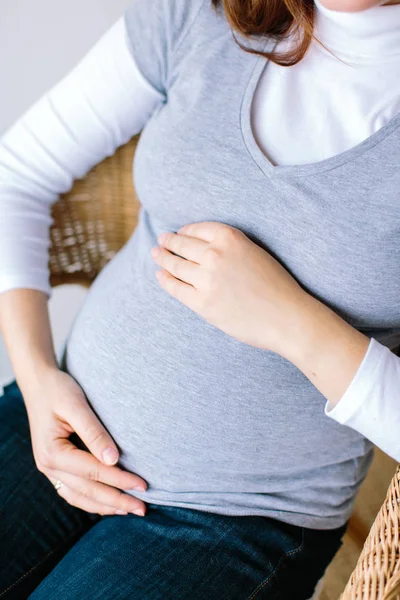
(25,326)
(359,377)
(327,349)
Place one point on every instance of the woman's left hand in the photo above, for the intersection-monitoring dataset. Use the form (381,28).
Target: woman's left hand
(232,283)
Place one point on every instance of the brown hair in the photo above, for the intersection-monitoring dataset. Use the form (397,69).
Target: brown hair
(277,19)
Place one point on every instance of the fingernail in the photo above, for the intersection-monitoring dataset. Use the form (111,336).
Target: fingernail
(110,456)
(139,488)
(121,512)
(139,512)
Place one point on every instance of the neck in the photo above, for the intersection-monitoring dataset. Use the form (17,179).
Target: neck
(370,36)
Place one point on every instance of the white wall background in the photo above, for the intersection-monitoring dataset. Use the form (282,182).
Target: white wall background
(40,41)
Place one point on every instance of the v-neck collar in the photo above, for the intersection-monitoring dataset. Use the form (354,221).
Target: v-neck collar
(259,63)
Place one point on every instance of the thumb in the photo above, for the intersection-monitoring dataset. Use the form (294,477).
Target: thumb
(94,435)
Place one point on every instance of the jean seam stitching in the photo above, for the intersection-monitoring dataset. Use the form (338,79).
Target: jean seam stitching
(39,563)
(274,572)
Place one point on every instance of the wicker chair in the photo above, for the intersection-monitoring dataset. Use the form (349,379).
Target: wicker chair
(91,223)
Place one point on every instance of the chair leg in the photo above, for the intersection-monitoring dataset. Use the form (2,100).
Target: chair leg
(318,589)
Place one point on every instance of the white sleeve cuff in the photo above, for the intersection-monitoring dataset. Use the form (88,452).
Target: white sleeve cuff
(26,280)
(371,403)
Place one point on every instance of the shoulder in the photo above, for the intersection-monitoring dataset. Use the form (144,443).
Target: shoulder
(170,19)
(162,32)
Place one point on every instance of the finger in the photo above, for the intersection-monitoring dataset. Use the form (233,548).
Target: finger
(204,230)
(183,269)
(69,458)
(93,433)
(99,492)
(91,506)
(183,292)
(188,247)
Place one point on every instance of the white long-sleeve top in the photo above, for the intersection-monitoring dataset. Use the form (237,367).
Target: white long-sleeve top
(322,106)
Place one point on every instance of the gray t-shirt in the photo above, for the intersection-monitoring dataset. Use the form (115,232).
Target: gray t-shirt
(209,422)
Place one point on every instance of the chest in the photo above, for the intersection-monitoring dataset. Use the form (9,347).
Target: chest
(336,229)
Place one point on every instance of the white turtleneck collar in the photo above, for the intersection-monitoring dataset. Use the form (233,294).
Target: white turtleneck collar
(368,36)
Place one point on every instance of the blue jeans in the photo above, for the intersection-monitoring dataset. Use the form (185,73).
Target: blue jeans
(50,549)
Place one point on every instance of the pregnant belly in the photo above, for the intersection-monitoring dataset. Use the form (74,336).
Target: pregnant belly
(189,407)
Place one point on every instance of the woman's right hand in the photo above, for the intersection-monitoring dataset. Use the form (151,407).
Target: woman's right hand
(56,408)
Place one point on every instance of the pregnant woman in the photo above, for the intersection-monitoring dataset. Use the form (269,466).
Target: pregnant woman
(223,384)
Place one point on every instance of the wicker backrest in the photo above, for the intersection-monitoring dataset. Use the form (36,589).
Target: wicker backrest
(91,223)
(377,574)
(94,220)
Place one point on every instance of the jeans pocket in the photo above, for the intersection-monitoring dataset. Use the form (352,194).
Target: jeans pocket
(286,555)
